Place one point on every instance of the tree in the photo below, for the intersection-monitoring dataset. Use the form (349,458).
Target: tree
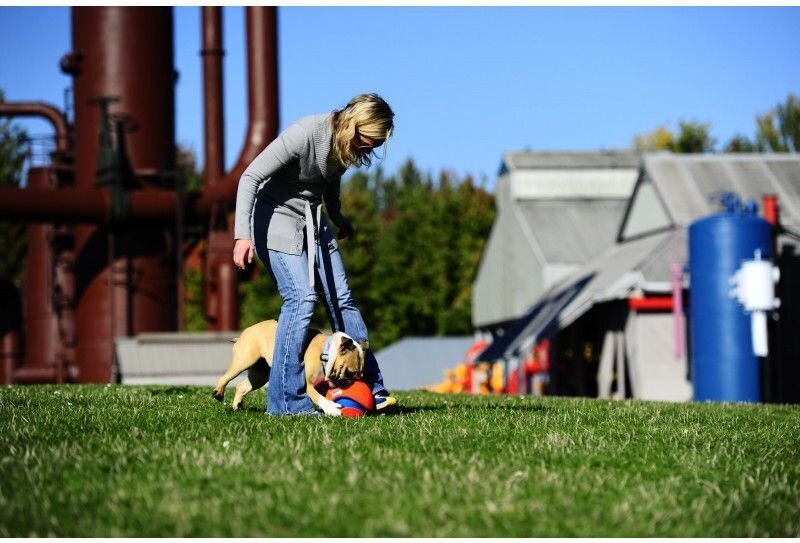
(788,115)
(13,152)
(660,139)
(431,243)
(767,138)
(785,137)
(739,144)
(194,231)
(693,137)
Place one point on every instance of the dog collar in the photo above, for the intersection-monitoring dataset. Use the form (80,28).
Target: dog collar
(326,358)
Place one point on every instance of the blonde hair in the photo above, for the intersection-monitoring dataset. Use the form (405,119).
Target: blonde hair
(371,116)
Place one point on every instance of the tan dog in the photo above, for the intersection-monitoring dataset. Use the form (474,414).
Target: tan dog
(253,351)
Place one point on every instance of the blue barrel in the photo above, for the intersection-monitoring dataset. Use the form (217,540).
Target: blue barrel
(724,367)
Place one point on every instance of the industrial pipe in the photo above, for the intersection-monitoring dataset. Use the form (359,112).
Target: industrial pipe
(10,355)
(125,277)
(84,206)
(44,110)
(262,99)
(94,205)
(220,286)
(46,205)
(212,54)
(10,330)
(42,344)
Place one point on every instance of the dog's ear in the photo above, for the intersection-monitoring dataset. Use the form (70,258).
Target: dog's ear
(364,345)
(347,344)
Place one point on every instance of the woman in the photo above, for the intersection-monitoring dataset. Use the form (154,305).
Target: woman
(278,215)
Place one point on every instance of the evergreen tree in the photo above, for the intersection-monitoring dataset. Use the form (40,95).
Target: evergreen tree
(193,233)
(694,138)
(739,144)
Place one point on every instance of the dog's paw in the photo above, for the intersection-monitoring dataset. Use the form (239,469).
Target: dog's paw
(332,409)
(235,406)
(219,396)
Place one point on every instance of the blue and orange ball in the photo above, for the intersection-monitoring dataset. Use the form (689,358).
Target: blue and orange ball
(356,399)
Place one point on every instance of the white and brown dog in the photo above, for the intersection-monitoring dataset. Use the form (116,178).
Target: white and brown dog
(337,359)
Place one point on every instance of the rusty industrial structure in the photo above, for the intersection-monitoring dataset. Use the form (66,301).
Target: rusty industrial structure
(105,217)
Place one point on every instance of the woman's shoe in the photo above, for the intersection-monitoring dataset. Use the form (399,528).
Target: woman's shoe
(384,402)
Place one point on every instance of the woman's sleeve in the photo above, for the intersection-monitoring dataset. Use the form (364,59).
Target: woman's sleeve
(283,149)
(332,202)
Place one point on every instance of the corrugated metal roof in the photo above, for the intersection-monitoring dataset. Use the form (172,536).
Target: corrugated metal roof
(513,160)
(414,362)
(690,184)
(615,274)
(573,231)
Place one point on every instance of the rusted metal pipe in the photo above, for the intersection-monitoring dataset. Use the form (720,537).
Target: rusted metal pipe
(161,205)
(212,54)
(36,375)
(66,205)
(10,355)
(62,244)
(86,206)
(41,321)
(126,54)
(10,330)
(220,278)
(47,112)
(262,99)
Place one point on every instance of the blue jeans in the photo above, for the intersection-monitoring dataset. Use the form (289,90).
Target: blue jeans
(286,394)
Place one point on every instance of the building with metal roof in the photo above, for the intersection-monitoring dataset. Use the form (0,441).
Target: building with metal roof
(556,211)
(640,347)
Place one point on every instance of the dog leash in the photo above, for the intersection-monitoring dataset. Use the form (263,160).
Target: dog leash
(325,356)
(312,229)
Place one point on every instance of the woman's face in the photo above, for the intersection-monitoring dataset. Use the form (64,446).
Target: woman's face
(364,144)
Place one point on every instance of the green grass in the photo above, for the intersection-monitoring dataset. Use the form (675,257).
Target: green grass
(170,461)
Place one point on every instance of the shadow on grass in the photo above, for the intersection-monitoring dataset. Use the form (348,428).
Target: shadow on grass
(246,409)
(404,410)
(173,390)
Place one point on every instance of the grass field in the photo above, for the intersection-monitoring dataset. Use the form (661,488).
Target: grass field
(170,461)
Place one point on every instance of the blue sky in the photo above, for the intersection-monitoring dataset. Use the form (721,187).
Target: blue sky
(468,83)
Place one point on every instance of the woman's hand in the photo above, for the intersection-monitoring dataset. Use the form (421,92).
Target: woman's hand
(243,253)
(346,229)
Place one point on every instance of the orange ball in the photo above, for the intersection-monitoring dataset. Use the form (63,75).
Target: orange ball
(356,399)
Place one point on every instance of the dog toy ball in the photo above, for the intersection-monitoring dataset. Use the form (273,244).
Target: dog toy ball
(356,399)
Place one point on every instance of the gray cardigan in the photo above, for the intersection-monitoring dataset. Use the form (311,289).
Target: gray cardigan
(288,180)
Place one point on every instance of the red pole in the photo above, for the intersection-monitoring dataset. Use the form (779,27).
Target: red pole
(220,277)
(41,320)
(770,202)
(212,54)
